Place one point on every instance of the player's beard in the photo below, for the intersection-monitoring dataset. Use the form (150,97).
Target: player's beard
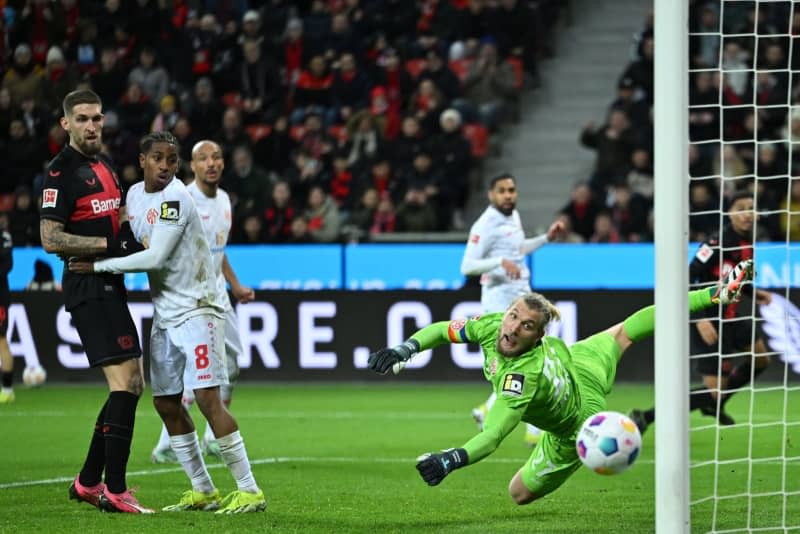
(506,209)
(93,148)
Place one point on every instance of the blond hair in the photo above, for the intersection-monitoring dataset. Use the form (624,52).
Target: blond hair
(537,302)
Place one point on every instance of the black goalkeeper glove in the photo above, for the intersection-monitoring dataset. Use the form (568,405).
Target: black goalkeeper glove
(383,360)
(434,466)
(124,244)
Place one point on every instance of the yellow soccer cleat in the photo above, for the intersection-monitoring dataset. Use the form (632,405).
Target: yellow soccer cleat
(7,397)
(196,500)
(241,502)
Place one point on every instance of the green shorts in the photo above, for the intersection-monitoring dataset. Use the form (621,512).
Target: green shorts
(555,458)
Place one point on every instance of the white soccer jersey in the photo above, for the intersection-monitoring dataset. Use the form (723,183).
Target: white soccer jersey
(492,238)
(215,214)
(185,285)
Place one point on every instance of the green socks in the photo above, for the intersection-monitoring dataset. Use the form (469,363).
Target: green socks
(642,323)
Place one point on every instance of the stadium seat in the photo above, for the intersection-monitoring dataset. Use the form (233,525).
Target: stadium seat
(258,131)
(478,136)
(415,66)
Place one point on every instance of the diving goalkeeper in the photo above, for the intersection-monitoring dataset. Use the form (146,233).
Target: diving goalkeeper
(539,380)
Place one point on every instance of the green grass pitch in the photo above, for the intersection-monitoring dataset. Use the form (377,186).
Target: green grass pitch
(340,458)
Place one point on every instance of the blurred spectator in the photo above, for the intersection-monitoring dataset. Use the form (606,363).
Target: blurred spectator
(274,151)
(488,89)
(342,186)
(259,85)
(59,77)
(56,139)
(704,121)
(24,219)
(24,78)
(322,215)
(120,145)
(629,213)
(340,38)
(22,156)
(296,51)
(232,133)
(440,74)
(613,142)
(152,77)
(427,104)
(279,214)
(313,91)
(604,230)
(43,279)
(248,185)
(110,16)
(641,70)
(385,219)
(252,230)
(206,110)
(640,174)
(362,216)
(394,79)
(300,232)
(314,140)
(410,141)
(251,29)
(415,213)
(386,111)
(306,171)
(453,156)
(382,177)
(365,139)
(86,49)
(36,116)
(109,81)
(349,89)
(183,132)
(704,48)
(581,210)
(567,235)
(700,162)
(637,109)
(167,115)
(735,65)
(790,214)
(7,111)
(135,110)
(704,211)
(36,24)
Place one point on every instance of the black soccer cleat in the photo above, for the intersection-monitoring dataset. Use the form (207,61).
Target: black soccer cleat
(637,416)
(722,417)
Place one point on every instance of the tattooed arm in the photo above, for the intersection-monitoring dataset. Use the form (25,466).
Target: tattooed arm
(56,241)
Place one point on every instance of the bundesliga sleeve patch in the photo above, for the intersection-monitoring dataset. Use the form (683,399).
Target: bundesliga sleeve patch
(170,211)
(457,331)
(49,198)
(513,383)
(704,253)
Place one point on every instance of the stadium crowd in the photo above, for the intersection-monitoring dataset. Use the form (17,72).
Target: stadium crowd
(339,119)
(742,125)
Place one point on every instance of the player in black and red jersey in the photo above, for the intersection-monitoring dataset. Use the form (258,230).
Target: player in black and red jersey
(83,215)
(720,339)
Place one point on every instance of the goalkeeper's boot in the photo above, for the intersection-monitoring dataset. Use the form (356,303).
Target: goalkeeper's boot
(241,502)
(722,417)
(163,456)
(211,448)
(90,494)
(123,502)
(479,415)
(730,286)
(196,500)
(7,396)
(532,435)
(637,416)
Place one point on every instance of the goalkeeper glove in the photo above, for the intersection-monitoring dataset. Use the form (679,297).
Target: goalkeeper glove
(383,360)
(434,466)
(124,244)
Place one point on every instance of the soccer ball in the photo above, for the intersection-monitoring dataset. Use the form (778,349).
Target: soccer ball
(34,375)
(608,443)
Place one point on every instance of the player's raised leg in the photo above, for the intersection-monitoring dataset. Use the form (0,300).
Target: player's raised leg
(6,367)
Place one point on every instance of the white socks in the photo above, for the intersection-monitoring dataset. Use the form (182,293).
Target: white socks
(163,439)
(187,449)
(235,457)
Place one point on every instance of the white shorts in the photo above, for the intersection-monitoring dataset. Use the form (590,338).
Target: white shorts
(187,356)
(233,345)
(498,298)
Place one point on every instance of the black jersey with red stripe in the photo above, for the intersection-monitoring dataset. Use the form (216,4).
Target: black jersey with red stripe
(716,257)
(84,193)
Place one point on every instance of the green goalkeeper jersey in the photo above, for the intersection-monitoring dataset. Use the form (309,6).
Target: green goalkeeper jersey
(538,387)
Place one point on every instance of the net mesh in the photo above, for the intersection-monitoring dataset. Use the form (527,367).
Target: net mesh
(744,150)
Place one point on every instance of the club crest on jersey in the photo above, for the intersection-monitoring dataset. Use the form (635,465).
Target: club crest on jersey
(170,211)
(151,216)
(49,198)
(512,384)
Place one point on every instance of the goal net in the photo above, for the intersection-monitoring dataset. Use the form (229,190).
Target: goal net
(744,186)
